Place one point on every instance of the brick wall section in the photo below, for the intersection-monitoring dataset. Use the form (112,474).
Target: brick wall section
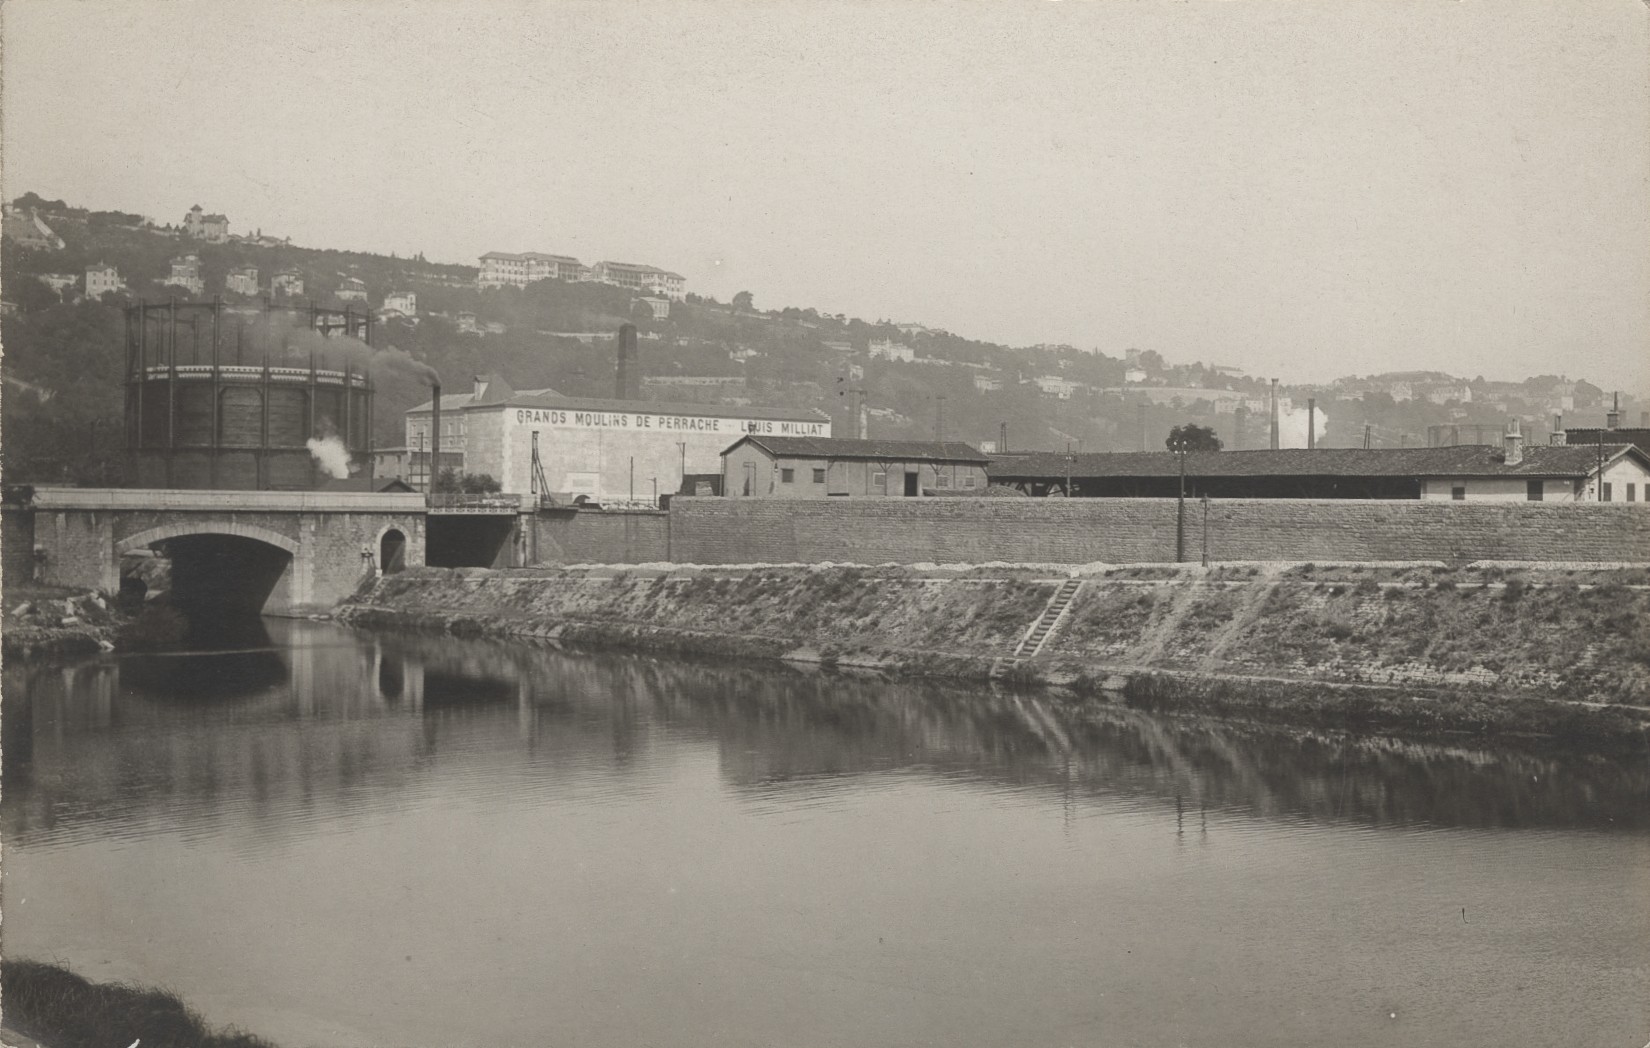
(17,546)
(605,537)
(1120,531)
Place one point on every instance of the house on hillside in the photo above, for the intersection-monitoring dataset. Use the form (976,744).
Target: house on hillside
(59,282)
(25,228)
(242,280)
(403,303)
(186,274)
(660,306)
(466,322)
(888,349)
(289,282)
(651,279)
(102,279)
(214,229)
(988,382)
(1057,386)
(762,466)
(351,289)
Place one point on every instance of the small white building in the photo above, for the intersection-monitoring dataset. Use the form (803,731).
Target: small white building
(186,273)
(288,282)
(352,289)
(102,279)
(1057,386)
(242,280)
(888,349)
(660,307)
(403,302)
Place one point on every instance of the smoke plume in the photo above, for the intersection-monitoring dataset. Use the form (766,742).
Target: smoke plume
(331,454)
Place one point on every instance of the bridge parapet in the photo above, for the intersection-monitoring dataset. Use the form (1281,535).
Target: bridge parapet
(332,539)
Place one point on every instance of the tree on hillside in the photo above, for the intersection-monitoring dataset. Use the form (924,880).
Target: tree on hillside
(1193,438)
(744,300)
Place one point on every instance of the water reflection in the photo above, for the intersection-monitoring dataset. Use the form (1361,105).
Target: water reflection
(380,839)
(332,719)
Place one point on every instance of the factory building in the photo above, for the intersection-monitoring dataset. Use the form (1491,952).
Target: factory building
(611,451)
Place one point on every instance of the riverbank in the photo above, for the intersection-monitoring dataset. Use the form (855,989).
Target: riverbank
(56,1007)
(53,620)
(1486,649)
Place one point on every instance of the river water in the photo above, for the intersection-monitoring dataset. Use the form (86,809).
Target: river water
(330,837)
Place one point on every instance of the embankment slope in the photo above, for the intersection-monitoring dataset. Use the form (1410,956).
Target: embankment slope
(1483,649)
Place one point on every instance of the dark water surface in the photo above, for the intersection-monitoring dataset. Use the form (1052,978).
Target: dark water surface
(339,838)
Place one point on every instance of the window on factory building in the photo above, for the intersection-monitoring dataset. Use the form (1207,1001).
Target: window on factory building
(1605,497)
(942,480)
(968,481)
(1534,490)
(1631,493)
(787,476)
(879,482)
(819,476)
(1458,492)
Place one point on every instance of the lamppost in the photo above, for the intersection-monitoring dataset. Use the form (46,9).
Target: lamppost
(1179,448)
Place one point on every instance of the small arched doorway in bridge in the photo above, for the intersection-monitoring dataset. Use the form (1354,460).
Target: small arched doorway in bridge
(392,551)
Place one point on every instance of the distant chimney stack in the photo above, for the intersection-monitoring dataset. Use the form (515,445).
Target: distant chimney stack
(1002,437)
(1274,413)
(629,380)
(1558,438)
(1612,419)
(1514,443)
(1311,423)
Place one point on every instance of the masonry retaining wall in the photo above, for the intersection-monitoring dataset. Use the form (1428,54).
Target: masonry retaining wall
(602,537)
(1119,531)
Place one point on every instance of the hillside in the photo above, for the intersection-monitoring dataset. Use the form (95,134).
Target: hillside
(63,359)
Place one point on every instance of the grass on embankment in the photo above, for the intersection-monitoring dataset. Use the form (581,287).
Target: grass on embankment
(63,1010)
(1564,651)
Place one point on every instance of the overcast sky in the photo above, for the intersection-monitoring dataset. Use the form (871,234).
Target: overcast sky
(1303,189)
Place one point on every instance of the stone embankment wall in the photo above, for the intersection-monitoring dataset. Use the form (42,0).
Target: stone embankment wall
(1479,647)
(1117,531)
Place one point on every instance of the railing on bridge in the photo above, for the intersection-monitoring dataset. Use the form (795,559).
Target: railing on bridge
(492,502)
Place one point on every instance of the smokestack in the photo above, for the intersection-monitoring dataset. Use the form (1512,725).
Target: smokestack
(435,434)
(863,419)
(1612,419)
(1002,437)
(1274,412)
(1514,443)
(629,384)
(1311,423)
(1558,438)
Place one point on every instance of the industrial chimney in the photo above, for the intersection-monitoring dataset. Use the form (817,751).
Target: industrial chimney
(435,435)
(1274,412)
(629,384)
(1002,437)
(1558,438)
(1514,443)
(1311,423)
(1612,419)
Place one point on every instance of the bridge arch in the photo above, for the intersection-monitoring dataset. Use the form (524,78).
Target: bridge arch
(144,539)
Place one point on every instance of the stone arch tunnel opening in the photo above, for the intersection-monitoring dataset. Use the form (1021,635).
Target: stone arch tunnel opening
(392,551)
(479,541)
(221,583)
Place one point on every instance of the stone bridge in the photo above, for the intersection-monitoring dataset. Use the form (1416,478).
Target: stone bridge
(280,552)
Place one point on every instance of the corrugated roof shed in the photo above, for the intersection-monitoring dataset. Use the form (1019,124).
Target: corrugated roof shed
(1462,460)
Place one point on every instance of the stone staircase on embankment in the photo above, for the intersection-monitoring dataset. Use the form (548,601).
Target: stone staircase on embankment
(1040,631)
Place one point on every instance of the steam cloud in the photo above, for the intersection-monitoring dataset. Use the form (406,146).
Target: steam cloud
(331,454)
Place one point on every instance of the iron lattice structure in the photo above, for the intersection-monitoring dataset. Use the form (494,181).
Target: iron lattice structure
(220,396)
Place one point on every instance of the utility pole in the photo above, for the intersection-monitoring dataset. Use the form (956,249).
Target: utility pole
(1205,529)
(1068,469)
(1179,450)
(1366,436)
